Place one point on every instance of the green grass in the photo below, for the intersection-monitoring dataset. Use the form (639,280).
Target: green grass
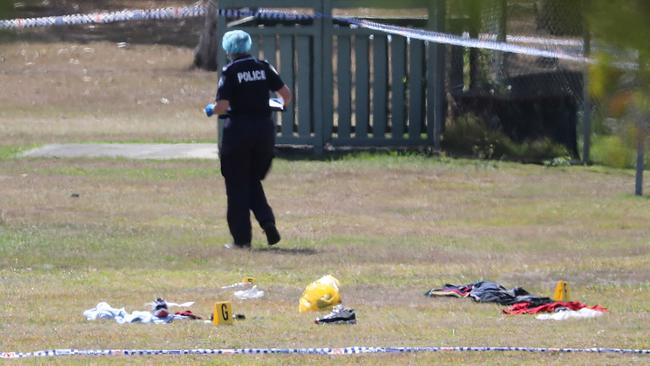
(389,226)
(153,172)
(11,152)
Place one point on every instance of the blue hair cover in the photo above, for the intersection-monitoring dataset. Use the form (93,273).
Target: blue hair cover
(236,41)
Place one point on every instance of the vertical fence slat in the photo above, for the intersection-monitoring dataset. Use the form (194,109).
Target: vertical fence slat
(286,72)
(344,86)
(416,76)
(436,74)
(327,96)
(398,71)
(380,85)
(304,86)
(317,72)
(269,49)
(362,86)
(268,46)
(255,48)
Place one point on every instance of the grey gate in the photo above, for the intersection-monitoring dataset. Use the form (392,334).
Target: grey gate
(353,86)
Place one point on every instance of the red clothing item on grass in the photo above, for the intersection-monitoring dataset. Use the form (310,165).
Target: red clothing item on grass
(523,307)
(188,313)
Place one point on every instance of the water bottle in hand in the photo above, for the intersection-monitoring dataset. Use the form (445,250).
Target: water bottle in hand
(209,110)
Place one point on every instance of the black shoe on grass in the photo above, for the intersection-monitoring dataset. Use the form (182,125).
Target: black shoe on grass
(237,246)
(339,315)
(272,234)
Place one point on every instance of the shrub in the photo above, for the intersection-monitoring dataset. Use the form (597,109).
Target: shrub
(468,135)
(612,151)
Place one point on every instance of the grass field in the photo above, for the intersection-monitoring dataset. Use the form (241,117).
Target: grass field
(389,227)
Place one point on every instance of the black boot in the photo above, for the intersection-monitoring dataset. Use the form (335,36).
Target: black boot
(272,234)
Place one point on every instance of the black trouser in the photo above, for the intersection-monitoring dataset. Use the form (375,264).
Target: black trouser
(246,154)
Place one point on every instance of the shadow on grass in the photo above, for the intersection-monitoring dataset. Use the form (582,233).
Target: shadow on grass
(291,251)
(307,153)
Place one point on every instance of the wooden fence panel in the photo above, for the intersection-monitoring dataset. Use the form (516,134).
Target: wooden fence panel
(369,64)
(344,72)
(255,50)
(380,86)
(304,92)
(398,73)
(287,72)
(362,86)
(270,48)
(416,92)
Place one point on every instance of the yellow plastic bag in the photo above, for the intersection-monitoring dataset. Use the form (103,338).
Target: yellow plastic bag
(320,295)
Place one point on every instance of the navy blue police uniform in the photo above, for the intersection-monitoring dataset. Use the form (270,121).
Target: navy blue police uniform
(248,141)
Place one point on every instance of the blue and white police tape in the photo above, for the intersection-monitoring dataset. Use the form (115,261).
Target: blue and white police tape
(144,14)
(553,48)
(199,11)
(309,351)
(105,17)
(455,40)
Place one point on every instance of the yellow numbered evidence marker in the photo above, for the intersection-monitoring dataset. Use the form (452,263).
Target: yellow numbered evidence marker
(562,292)
(222,313)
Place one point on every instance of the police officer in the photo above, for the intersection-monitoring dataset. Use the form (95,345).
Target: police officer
(248,137)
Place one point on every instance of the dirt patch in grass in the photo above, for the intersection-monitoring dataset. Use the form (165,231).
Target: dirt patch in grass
(98,92)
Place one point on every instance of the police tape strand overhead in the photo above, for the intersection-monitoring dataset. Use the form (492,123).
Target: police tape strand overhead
(193,11)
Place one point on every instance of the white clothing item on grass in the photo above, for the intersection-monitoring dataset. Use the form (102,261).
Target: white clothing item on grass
(145,317)
(251,293)
(571,314)
(104,311)
(121,316)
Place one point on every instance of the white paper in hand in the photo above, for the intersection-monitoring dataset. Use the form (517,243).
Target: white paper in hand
(276,104)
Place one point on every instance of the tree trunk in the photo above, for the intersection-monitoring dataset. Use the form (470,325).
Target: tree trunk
(205,53)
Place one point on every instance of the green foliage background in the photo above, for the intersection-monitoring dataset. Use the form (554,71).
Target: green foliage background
(623,24)
(5,6)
